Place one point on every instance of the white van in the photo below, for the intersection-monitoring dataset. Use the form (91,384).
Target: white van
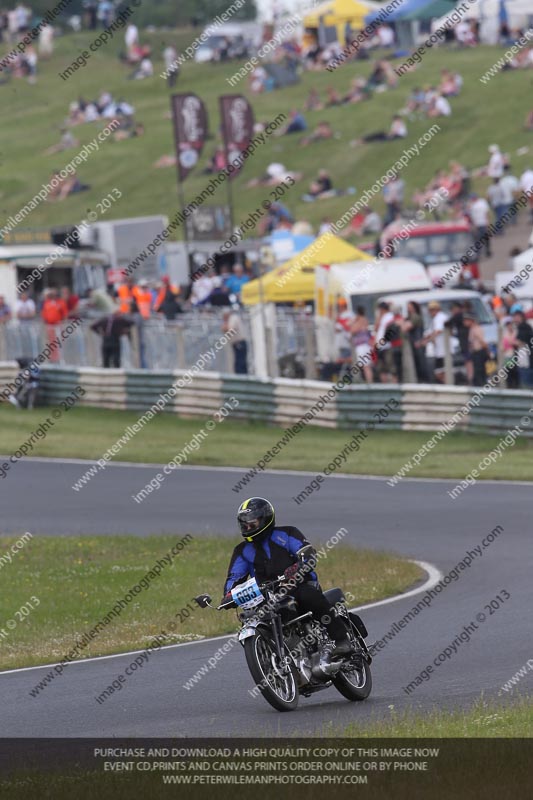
(80,270)
(360,283)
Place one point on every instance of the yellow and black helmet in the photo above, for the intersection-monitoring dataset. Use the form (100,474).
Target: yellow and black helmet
(256,517)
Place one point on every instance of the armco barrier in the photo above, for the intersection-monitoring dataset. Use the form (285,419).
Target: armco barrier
(283,401)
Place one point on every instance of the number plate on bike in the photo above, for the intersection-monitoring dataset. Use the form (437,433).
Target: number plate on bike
(247,595)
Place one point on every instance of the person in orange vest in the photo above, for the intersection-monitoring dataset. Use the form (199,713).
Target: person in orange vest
(143,298)
(166,301)
(53,312)
(54,308)
(126,297)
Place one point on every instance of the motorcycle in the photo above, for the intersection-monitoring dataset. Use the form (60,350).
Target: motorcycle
(283,647)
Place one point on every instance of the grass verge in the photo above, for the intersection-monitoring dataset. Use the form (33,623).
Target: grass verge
(78,580)
(481,114)
(482,720)
(88,433)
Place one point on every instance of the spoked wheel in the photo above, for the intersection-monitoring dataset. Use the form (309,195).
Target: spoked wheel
(354,683)
(275,680)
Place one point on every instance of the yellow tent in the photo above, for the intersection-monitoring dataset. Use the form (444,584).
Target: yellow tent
(338,13)
(295,280)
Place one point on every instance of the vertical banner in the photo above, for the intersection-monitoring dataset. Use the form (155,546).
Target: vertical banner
(237,128)
(189,115)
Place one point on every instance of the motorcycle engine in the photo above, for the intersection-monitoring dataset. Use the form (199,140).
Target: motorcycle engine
(300,650)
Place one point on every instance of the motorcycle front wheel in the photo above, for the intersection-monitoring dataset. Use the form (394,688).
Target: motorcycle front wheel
(276,683)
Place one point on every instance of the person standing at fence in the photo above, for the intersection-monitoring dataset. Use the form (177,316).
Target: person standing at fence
(436,338)
(25,308)
(53,312)
(126,297)
(231,321)
(71,301)
(143,298)
(478,349)
(361,338)
(343,322)
(111,328)
(524,339)
(236,280)
(413,327)
(166,302)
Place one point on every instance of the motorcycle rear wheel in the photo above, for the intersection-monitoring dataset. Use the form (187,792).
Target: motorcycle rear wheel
(354,685)
(278,688)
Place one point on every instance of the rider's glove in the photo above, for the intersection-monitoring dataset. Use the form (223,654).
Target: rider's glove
(291,571)
(227,598)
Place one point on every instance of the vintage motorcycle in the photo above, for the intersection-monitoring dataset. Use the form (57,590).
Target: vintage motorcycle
(282,646)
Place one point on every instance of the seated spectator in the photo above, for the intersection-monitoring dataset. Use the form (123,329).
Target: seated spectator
(65,143)
(325,226)
(275,174)
(313,102)
(415,102)
(397,130)
(67,186)
(440,107)
(358,91)
(450,84)
(364,222)
(91,113)
(277,215)
(121,134)
(321,187)
(165,161)
(296,124)
(258,80)
(382,77)
(322,131)
(333,97)
(217,162)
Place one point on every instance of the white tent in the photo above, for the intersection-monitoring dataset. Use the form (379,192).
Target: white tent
(520,13)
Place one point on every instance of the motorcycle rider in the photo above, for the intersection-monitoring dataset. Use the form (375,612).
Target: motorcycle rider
(269,550)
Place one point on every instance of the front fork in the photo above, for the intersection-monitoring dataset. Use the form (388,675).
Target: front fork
(277,638)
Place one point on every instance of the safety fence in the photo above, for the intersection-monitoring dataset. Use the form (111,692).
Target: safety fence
(283,402)
(160,344)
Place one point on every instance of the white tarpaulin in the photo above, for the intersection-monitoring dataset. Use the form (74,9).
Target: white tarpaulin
(519,12)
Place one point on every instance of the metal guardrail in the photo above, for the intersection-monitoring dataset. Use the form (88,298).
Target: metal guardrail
(284,402)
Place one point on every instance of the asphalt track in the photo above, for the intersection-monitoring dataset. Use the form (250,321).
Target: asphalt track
(416,519)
